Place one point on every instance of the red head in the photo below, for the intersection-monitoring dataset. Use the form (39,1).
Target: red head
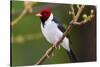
(44,14)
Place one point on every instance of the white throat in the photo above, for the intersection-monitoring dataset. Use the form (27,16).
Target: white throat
(50,18)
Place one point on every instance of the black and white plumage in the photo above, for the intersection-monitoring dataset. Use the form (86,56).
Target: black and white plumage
(53,30)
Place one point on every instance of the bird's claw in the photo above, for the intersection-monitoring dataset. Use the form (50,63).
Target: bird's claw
(59,47)
(55,45)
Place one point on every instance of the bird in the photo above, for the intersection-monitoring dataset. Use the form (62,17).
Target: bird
(53,30)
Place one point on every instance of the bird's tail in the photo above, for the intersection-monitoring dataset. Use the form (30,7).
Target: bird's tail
(72,56)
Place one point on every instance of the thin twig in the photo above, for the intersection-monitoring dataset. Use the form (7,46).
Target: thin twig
(78,13)
(19,17)
(86,19)
(73,12)
(27,8)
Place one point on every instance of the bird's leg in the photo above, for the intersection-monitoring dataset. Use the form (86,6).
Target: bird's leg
(59,47)
(55,44)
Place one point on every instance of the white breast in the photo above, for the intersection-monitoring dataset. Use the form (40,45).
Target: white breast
(52,33)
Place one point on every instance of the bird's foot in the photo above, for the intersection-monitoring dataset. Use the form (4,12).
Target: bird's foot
(59,47)
(55,45)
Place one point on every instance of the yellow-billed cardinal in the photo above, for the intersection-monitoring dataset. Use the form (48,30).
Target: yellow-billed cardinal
(53,30)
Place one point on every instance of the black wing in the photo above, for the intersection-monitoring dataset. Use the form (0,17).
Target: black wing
(61,28)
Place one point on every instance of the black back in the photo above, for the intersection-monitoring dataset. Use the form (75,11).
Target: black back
(61,27)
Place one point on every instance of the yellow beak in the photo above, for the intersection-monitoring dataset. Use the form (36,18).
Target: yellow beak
(38,14)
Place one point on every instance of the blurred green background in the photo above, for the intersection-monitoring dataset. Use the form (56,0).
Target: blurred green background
(28,43)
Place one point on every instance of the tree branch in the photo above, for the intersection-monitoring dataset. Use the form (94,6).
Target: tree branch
(19,17)
(27,8)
